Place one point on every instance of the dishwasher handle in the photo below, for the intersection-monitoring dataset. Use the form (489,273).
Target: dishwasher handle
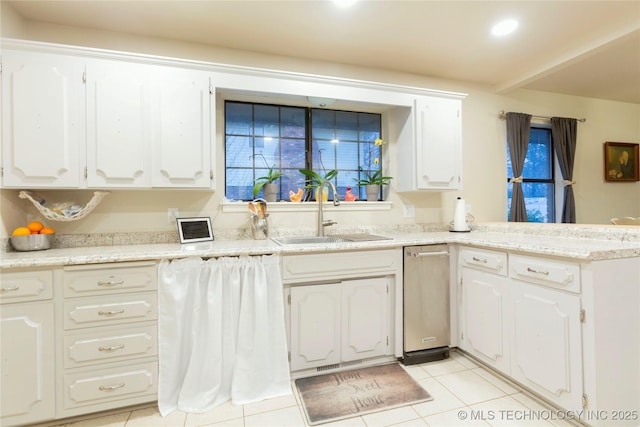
(429,254)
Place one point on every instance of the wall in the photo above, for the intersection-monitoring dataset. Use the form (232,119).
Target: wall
(484,148)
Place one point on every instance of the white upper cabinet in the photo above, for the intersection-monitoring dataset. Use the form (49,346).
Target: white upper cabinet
(107,122)
(430,145)
(42,126)
(118,124)
(148,126)
(183,121)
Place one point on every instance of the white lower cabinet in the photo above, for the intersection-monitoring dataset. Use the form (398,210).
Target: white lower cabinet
(485,317)
(27,362)
(339,322)
(109,340)
(342,316)
(522,316)
(315,325)
(547,347)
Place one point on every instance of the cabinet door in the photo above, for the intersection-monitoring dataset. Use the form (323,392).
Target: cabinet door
(27,394)
(42,130)
(182,134)
(547,347)
(438,143)
(485,318)
(365,318)
(119,96)
(315,325)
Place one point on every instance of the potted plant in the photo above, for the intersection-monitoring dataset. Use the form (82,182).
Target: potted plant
(372,183)
(316,180)
(373,180)
(267,181)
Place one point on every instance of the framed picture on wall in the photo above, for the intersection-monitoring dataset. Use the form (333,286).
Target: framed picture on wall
(621,162)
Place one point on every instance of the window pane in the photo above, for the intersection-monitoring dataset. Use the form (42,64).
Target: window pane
(238,119)
(538,163)
(347,155)
(266,121)
(293,153)
(323,156)
(239,150)
(323,122)
(539,201)
(346,126)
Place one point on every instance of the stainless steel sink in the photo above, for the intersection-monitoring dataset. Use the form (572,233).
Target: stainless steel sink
(307,240)
(327,239)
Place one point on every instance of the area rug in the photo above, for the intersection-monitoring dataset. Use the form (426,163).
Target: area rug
(357,392)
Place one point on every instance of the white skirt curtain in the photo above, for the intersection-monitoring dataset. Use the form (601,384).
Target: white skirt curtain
(221,333)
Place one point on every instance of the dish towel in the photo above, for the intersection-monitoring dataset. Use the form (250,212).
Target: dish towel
(221,333)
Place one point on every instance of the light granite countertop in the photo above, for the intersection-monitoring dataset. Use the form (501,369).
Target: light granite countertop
(578,248)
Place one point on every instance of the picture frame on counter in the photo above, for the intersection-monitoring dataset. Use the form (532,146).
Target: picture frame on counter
(195,229)
(621,162)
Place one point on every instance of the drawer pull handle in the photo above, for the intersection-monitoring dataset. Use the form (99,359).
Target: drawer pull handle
(120,347)
(110,313)
(110,387)
(13,288)
(111,283)
(484,261)
(532,270)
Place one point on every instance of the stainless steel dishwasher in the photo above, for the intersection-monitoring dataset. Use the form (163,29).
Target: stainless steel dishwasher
(426,303)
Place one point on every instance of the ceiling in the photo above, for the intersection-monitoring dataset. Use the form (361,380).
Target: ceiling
(583,48)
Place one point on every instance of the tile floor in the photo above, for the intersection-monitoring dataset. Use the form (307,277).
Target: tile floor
(462,390)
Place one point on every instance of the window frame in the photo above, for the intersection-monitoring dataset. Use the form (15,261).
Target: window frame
(309,143)
(551,210)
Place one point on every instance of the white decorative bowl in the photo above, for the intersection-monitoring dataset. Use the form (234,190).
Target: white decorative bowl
(33,242)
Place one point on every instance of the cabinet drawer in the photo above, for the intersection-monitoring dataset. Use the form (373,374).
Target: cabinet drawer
(110,346)
(339,265)
(125,382)
(486,260)
(88,312)
(104,279)
(558,274)
(22,286)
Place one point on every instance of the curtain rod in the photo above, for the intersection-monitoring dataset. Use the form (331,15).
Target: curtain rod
(503,116)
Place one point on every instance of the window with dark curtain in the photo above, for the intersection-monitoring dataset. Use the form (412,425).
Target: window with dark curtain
(538,183)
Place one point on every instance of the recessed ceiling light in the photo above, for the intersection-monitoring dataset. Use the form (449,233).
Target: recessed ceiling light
(344,3)
(505,27)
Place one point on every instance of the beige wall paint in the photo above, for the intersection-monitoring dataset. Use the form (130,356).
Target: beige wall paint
(483,148)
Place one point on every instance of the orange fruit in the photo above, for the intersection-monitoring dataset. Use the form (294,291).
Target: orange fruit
(21,231)
(35,226)
(47,230)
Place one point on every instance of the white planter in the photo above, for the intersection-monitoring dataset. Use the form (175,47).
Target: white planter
(373,191)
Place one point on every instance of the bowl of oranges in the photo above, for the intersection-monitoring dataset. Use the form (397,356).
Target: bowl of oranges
(34,237)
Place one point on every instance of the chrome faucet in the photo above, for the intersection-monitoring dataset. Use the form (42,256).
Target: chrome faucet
(336,202)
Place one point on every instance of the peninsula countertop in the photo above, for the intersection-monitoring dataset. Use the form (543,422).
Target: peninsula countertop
(581,249)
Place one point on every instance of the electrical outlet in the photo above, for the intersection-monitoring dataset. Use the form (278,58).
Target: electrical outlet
(172,214)
(409,211)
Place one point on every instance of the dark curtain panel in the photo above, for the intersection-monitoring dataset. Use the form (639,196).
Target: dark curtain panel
(518,130)
(564,132)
